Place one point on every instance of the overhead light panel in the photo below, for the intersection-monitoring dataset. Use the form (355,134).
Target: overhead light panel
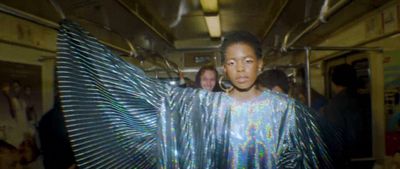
(213,25)
(209,6)
(210,10)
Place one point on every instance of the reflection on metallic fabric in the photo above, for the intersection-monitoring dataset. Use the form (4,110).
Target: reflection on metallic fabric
(117,117)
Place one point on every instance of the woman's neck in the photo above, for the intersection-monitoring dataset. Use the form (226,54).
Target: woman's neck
(244,95)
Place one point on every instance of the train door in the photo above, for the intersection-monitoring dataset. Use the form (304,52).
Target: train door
(363,150)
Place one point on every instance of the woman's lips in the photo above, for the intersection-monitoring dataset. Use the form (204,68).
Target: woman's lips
(242,79)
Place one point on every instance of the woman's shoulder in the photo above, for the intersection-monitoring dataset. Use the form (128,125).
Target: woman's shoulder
(277,97)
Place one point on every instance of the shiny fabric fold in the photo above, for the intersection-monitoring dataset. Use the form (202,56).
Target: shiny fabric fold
(117,117)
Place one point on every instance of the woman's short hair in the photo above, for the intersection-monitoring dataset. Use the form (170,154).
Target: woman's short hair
(241,37)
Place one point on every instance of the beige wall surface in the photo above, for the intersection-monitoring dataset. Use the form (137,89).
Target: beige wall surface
(28,43)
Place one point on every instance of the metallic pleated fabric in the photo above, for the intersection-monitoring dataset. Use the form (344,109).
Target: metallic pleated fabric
(117,117)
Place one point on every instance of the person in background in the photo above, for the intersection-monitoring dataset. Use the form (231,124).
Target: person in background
(18,107)
(299,92)
(275,80)
(318,101)
(184,82)
(344,112)
(31,113)
(9,157)
(206,78)
(55,145)
(29,154)
(6,91)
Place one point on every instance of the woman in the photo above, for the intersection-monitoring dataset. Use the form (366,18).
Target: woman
(119,118)
(206,78)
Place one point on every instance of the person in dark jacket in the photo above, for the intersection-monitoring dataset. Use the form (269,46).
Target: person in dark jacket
(344,112)
(56,148)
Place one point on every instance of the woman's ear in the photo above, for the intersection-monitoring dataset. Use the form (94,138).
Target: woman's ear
(260,65)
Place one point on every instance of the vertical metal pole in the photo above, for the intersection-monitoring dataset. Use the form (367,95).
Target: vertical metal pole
(307,73)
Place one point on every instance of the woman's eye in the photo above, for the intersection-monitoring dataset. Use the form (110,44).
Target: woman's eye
(249,61)
(229,63)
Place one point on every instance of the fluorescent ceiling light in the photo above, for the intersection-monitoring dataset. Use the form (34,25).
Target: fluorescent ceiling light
(209,6)
(210,9)
(213,25)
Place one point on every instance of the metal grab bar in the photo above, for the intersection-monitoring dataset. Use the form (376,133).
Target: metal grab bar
(307,60)
(324,15)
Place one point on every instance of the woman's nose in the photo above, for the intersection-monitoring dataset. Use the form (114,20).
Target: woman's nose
(240,67)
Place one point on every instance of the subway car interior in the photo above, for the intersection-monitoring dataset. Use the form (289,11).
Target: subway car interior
(169,41)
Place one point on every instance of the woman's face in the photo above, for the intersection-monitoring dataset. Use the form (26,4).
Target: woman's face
(241,66)
(208,80)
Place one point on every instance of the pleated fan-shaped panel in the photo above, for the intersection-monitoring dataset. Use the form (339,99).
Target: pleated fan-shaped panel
(110,125)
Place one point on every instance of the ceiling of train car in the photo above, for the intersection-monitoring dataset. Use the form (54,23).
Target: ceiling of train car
(306,12)
(180,24)
(185,19)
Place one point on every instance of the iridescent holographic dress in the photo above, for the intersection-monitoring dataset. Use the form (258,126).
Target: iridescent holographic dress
(117,117)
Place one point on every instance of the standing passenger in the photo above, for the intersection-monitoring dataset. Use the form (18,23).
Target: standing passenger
(275,80)
(344,111)
(318,101)
(206,78)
